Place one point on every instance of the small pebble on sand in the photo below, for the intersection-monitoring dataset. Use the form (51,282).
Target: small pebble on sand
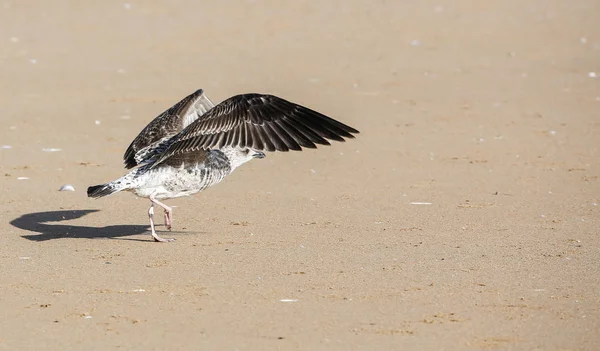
(67,187)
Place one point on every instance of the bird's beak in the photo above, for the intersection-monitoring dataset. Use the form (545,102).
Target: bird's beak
(259,154)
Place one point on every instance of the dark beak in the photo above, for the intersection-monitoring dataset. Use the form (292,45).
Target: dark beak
(259,154)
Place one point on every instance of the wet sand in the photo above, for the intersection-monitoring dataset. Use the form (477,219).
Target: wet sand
(464,216)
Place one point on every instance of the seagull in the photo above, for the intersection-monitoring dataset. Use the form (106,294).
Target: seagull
(195,144)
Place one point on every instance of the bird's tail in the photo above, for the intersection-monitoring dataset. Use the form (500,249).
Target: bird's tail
(123,183)
(97,191)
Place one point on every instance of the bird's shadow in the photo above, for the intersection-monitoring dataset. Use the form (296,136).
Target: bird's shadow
(39,222)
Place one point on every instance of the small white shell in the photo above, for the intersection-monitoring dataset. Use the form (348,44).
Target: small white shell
(67,187)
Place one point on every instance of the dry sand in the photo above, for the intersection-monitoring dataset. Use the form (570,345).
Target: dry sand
(485,110)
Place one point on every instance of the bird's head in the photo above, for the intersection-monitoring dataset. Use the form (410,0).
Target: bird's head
(257,154)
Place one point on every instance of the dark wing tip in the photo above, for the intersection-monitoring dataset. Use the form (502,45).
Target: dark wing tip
(318,127)
(130,164)
(351,131)
(129,157)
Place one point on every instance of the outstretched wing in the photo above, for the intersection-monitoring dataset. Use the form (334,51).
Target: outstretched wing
(256,121)
(166,125)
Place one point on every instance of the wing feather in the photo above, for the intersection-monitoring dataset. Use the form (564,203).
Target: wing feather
(257,121)
(278,136)
(255,138)
(299,138)
(266,138)
(165,126)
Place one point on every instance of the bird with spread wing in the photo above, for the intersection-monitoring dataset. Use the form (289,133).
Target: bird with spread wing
(195,144)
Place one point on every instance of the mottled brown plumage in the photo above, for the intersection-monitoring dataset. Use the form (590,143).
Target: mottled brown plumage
(166,125)
(257,121)
(194,144)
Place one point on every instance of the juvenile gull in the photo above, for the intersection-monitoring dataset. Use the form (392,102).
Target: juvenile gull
(195,144)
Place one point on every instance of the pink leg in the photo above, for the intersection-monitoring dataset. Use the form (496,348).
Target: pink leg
(168,212)
(151,215)
(168,218)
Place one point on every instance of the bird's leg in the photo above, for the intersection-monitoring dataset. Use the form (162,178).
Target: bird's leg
(151,215)
(168,219)
(168,212)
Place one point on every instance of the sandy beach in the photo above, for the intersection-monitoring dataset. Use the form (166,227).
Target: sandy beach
(464,216)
